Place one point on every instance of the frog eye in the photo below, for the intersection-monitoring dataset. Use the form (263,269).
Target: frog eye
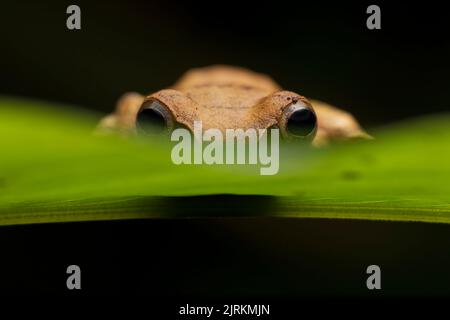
(154,118)
(298,121)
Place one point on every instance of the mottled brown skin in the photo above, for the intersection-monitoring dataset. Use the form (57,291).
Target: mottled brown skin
(225,97)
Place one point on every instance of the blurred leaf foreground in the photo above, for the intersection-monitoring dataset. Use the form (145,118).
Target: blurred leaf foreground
(53,169)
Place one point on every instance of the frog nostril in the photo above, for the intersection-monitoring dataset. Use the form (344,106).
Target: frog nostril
(153,118)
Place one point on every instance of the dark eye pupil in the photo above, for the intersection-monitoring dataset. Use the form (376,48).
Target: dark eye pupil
(301,122)
(150,121)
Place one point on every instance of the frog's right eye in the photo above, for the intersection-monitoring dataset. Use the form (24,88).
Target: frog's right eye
(154,118)
(298,121)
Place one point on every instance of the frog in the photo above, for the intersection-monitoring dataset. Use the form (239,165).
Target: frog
(229,97)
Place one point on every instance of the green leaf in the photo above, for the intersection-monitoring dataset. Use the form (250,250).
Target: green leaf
(53,169)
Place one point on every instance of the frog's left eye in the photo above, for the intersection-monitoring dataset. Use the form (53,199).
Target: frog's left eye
(298,121)
(154,118)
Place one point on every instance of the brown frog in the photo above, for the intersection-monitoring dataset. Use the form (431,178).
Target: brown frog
(225,97)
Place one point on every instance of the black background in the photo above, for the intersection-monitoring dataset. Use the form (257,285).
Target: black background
(319,49)
(228,259)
